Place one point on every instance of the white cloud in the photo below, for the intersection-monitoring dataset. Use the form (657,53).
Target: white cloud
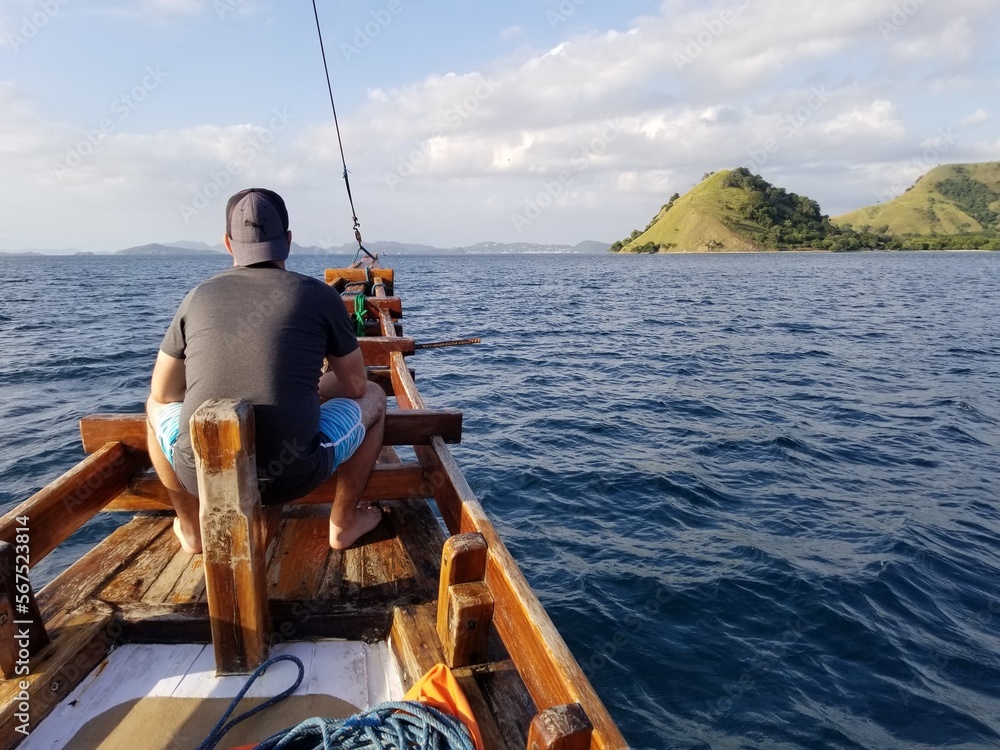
(977,118)
(607,124)
(167,184)
(879,120)
(953,42)
(512,33)
(175,7)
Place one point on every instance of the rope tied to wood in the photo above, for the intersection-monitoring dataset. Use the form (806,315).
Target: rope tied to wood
(359,314)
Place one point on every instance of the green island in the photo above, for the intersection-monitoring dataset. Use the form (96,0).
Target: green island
(952,207)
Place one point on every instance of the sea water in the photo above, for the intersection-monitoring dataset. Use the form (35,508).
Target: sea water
(756,493)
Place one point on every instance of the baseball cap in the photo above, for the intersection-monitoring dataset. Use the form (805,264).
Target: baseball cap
(257,226)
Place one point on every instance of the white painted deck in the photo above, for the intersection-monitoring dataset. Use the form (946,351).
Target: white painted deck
(360,674)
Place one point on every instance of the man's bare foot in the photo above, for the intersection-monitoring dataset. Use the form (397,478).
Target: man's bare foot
(189,543)
(365,519)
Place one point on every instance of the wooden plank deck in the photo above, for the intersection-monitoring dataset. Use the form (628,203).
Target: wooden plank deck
(150,591)
(393,566)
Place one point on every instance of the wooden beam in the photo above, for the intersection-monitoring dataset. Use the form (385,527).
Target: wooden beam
(421,426)
(338,276)
(376,349)
(467,624)
(375,305)
(403,386)
(291,620)
(56,511)
(465,606)
(382,377)
(403,481)
(374,328)
(414,641)
(381,284)
(233,534)
(560,728)
(387,326)
(402,427)
(463,560)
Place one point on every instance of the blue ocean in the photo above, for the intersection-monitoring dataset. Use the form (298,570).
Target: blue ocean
(756,493)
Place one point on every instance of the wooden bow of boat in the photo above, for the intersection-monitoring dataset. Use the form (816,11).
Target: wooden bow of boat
(457,598)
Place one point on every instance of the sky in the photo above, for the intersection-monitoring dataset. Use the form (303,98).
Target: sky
(550,121)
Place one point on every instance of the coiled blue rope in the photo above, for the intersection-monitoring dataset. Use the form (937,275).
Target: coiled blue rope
(395,725)
(221,728)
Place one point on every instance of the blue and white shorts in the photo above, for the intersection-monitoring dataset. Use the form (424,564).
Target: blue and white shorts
(340,426)
(167,426)
(341,429)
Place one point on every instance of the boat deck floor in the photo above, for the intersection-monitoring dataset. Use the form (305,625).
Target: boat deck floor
(158,696)
(138,587)
(157,591)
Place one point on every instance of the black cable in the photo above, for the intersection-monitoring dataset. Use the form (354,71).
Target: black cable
(340,142)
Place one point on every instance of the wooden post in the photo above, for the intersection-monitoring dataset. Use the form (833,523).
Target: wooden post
(232,534)
(465,605)
(22,632)
(560,728)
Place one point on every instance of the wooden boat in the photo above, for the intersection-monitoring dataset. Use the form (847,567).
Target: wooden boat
(140,637)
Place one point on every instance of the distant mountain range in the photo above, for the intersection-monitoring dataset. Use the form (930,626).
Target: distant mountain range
(382,248)
(955,206)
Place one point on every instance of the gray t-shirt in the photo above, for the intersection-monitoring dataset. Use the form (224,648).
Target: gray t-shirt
(261,334)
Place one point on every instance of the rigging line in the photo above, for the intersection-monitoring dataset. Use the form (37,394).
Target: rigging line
(340,142)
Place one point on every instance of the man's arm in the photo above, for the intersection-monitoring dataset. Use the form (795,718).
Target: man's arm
(346,377)
(169,380)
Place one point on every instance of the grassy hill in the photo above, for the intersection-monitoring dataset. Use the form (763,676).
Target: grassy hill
(953,199)
(734,210)
(695,221)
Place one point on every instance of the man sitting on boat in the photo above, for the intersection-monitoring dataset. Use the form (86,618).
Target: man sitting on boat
(259,332)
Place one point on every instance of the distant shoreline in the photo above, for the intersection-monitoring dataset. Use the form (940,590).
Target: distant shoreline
(293,258)
(812,251)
